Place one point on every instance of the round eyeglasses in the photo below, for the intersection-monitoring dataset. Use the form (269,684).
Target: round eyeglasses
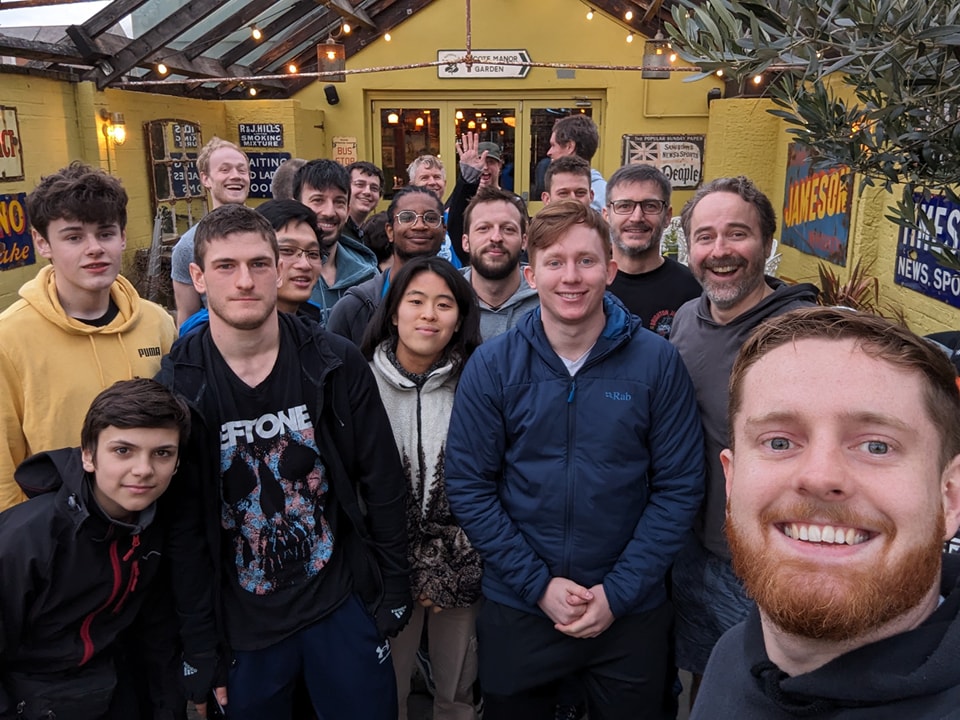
(431,218)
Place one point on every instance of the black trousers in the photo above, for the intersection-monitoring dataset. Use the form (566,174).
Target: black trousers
(524,662)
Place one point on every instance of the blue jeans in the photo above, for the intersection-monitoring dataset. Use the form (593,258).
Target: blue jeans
(344,663)
(709,600)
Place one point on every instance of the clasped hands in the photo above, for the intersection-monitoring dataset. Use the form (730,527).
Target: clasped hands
(575,610)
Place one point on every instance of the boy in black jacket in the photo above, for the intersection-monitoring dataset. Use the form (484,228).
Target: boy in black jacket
(78,561)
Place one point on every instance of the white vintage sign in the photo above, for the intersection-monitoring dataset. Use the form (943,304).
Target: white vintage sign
(486,64)
(11,158)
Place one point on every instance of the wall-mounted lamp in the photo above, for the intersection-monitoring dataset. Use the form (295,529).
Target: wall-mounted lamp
(655,56)
(114,126)
(393,118)
(331,57)
(713,94)
(418,122)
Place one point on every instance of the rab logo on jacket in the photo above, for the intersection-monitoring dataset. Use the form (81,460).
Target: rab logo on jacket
(149,352)
(613,395)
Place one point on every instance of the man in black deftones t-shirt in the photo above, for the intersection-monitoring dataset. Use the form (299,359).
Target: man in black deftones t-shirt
(289,546)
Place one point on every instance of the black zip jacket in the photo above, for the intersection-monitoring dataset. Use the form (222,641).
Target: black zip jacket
(355,440)
(73,580)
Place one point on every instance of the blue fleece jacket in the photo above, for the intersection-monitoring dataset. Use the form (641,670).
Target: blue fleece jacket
(596,478)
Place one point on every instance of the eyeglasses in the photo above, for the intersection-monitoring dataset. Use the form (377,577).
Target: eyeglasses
(290,252)
(430,218)
(648,207)
(361,185)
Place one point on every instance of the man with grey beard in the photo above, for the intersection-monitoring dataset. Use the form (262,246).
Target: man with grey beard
(843,479)
(652,286)
(729,225)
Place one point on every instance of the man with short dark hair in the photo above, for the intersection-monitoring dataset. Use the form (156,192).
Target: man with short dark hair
(575,466)
(324,187)
(225,173)
(289,529)
(578,135)
(729,225)
(567,178)
(495,236)
(843,479)
(298,242)
(366,189)
(78,327)
(652,286)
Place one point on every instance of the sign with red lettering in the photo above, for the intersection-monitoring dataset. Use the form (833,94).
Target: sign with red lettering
(11,157)
(345,150)
(16,243)
(816,207)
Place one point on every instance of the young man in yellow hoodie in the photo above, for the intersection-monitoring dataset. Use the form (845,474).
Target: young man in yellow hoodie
(78,326)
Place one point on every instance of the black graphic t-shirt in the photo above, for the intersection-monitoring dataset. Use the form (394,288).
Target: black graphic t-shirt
(279,534)
(656,296)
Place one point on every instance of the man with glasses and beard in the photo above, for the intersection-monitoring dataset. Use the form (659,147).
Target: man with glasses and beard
(415,228)
(495,237)
(652,286)
(843,479)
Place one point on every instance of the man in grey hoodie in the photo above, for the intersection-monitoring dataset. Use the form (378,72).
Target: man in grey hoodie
(729,225)
(495,234)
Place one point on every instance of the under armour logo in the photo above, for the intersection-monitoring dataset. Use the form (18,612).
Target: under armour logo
(398,612)
(383,651)
(189,670)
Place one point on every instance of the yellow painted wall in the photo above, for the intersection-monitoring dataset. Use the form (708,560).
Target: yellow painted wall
(560,33)
(60,122)
(743,139)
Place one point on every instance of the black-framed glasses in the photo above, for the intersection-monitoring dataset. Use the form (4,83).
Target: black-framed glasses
(291,252)
(431,218)
(648,207)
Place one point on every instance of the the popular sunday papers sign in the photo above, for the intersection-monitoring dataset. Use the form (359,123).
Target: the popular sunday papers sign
(917,267)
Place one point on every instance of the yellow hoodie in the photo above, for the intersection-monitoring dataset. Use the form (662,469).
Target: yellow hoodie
(52,366)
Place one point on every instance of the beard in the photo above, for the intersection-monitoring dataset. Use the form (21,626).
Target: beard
(725,295)
(494,270)
(808,600)
(656,231)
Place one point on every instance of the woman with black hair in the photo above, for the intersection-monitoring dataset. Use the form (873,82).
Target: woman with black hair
(420,338)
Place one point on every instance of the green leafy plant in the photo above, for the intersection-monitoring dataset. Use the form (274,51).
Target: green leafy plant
(860,291)
(870,84)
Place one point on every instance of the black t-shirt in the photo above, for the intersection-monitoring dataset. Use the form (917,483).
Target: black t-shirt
(656,296)
(277,513)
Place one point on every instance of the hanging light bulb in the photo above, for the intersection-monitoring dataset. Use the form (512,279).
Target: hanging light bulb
(256,32)
(590,14)
(720,72)
(388,37)
(292,68)
(628,15)
(252,91)
(630,38)
(162,69)
(757,79)
(346,28)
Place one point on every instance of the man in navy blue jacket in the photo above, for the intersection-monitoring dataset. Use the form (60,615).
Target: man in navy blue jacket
(575,465)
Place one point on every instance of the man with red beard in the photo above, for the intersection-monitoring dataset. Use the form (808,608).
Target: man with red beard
(495,235)
(729,225)
(843,478)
